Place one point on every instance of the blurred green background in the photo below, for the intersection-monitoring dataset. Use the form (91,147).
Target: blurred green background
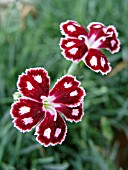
(29,37)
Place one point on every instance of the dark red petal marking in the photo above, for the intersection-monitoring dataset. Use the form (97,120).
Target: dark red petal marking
(26,106)
(73,49)
(34,84)
(50,132)
(67,81)
(111,43)
(67,91)
(97,61)
(72,29)
(96,29)
(27,114)
(72,113)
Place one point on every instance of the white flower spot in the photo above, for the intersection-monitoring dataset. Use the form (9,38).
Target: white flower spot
(71,28)
(105,30)
(110,33)
(97,26)
(102,60)
(74,93)
(27,120)
(57,132)
(38,78)
(29,86)
(75,112)
(93,61)
(77,25)
(67,85)
(24,109)
(73,50)
(113,42)
(47,133)
(69,44)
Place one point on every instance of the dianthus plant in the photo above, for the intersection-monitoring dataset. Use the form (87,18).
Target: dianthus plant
(45,109)
(42,108)
(79,44)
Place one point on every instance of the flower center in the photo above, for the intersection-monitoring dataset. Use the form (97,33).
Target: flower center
(49,105)
(92,42)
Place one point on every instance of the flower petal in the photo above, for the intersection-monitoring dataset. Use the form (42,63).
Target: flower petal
(27,114)
(67,91)
(111,43)
(96,28)
(73,49)
(72,29)
(97,34)
(97,61)
(103,37)
(72,113)
(34,84)
(50,132)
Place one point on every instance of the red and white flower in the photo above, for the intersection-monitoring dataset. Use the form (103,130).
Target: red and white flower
(79,44)
(41,108)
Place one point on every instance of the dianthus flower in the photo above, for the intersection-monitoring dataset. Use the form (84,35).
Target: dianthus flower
(79,44)
(38,107)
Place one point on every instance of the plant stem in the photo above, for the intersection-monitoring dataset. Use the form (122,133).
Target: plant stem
(73,69)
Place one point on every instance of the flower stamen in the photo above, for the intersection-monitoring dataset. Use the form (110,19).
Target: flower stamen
(48,105)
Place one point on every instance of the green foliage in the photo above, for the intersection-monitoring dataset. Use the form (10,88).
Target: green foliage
(91,144)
